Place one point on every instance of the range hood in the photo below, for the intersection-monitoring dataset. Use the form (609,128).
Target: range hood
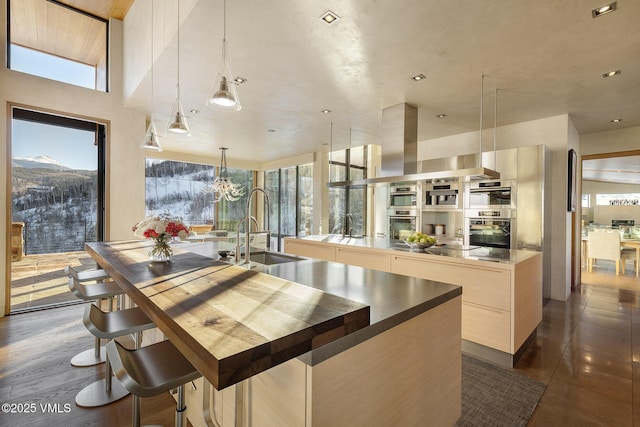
(400,153)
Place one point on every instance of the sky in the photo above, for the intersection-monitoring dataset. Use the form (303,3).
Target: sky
(70,147)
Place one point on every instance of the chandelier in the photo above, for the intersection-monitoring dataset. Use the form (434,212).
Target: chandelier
(222,187)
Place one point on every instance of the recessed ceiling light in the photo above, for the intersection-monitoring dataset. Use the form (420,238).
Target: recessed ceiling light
(194,111)
(616,120)
(240,80)
(329,17)
(611,73)
(441,116)
(599,11)
(271,130)
(326,111)
(418,77)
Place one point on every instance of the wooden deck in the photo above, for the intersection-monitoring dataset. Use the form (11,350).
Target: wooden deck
(40,280)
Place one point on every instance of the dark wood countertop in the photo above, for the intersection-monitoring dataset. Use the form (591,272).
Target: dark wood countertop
(229,321)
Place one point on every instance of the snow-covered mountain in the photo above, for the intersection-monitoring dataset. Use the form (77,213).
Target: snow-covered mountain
(45,162)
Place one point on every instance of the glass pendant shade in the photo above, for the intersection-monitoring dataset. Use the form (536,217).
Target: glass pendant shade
(226,97)
(177,120)
(150,141)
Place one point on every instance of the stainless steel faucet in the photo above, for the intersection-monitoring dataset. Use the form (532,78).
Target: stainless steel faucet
(238,246)
(267,205)
(347,228)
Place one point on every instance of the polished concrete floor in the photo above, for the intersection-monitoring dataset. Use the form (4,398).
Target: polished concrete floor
(587,349)
(587,352)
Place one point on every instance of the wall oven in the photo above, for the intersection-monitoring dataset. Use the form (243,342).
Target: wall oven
(441,196)
(494,228)
(491,195)
(403,195)
(402,223)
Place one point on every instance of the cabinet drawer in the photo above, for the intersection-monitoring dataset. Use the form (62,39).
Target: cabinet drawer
(373,260)
(486,326)
(313,250)
(484,286)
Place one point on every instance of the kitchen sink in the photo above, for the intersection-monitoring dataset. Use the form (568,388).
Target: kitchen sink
(270,258)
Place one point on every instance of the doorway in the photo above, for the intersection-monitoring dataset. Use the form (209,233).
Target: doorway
(611,201)
(58,193)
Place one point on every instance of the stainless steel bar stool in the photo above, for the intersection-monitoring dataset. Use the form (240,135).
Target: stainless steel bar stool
(150,371)
(110,325)
(94,292)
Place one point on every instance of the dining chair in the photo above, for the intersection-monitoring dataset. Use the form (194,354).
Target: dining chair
(605,245)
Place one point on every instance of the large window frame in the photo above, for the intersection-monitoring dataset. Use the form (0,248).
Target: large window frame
(303,224)
(343,169)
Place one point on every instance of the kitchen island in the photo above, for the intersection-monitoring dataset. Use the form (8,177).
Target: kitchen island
(502,289)
(290,368)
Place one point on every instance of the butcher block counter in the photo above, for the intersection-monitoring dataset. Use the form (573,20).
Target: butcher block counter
(303,343)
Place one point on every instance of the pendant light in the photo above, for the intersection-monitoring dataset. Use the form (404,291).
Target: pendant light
(222,186)
(150,141)
(226,97)
(177,120)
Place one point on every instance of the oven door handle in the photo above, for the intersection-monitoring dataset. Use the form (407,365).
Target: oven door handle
(488,189)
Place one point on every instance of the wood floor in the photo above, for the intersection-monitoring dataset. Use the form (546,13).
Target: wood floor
(35,350)
(587,352)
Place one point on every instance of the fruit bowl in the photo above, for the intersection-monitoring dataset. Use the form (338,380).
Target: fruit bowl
(417,246)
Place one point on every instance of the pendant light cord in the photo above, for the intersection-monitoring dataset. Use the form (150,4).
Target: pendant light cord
(224,37)
(178,83)
(152,19)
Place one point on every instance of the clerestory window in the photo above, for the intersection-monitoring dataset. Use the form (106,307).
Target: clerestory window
(49,39)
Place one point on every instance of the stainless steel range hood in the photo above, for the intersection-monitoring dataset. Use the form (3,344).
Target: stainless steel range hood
(399,155)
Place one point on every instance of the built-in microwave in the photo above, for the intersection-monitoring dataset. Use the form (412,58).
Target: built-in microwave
(403,195)
(491,195)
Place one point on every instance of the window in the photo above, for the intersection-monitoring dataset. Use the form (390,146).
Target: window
(177,188)
(617,199)
(290,192)
(49,39)
(348,165)
(228,214)
(180,188)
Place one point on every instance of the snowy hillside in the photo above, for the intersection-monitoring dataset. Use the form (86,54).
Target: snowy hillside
(45,162)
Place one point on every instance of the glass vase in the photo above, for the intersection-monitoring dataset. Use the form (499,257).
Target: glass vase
(161,250)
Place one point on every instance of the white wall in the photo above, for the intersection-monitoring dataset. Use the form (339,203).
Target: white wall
(126,128)
(559,135)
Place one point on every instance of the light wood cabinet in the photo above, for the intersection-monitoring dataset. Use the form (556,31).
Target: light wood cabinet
(487,326)
(402,376)
(310,249)
(362,258)
(501,302)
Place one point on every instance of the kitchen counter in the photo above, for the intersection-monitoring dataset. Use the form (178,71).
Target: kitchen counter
(392,298)
(299,328)
(477,253)
(230,322)
(502,289)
